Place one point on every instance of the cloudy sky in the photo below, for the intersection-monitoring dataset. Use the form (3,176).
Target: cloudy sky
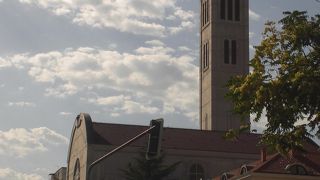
(121,61)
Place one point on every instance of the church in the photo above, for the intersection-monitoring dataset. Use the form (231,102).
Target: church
(203,154)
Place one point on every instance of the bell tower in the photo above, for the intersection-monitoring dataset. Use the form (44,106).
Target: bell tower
(224,52)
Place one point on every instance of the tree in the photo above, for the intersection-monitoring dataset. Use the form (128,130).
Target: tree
(284,82)
(143,169)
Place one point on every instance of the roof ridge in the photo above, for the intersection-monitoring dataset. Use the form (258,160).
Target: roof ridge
(177,128)
(119,124)
(271,159)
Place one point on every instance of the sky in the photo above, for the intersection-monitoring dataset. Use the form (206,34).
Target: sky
(121,61)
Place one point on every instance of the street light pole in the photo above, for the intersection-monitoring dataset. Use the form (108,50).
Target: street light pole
(116,149)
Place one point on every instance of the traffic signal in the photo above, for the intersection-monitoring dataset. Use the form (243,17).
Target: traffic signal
(155,138)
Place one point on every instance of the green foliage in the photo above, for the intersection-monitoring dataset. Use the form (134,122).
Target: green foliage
(284,82)
(142,169)
(232,134)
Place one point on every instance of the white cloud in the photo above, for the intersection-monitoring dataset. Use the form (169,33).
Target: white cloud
(142,17)
(254,16)
(131,107)
(183,14)
(155,43)
(112,100)
(156,50)
(124,104)
(140,78)
(4,63)
(187,22)
(62,91)
(10,174)
(184,48)
(21,142)
(144,81)
(185,25)
(65,113)
(21,104)
(176,96)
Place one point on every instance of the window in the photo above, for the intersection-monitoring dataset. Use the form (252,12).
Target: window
(237,10)
(226,51)
(243,170)
(225,176)
(203,9)
(230,9)
(196,172)
(205,56)
(296,169)
(205,12)
(223,9)
(246,168)
(76,171)
(230,48)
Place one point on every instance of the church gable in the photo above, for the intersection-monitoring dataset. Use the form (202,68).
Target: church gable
(77,155)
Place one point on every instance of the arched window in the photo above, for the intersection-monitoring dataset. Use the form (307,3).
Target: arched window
(243,170)
(196,172)
(225,176)
(76,171)
(296,169)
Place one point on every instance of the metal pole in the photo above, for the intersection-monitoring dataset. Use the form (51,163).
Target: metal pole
(116,149)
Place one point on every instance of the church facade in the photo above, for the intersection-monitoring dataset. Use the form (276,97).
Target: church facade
(202,154)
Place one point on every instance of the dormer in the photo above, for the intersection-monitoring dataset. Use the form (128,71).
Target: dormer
(296,169)
(226,176)
(245,169)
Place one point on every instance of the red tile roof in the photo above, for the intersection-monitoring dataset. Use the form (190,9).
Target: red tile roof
(174,138)
(277,163)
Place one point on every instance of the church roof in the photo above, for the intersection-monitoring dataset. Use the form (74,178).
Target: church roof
(174,138)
